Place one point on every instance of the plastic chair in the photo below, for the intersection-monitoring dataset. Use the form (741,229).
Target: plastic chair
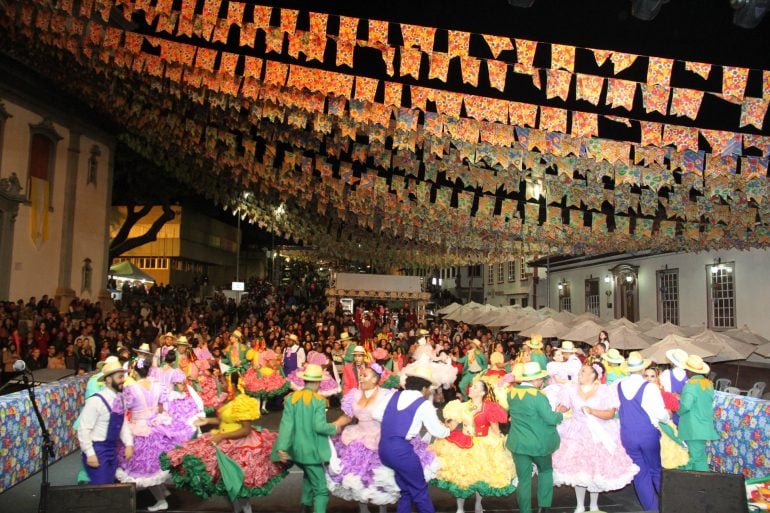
(760,385)
(733,390)
(754,392)
(722,384)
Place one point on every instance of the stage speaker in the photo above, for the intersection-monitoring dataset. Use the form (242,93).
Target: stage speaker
(685,491)
(115,498)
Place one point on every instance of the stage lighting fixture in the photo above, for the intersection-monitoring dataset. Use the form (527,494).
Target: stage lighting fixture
(646,9)
(749,13)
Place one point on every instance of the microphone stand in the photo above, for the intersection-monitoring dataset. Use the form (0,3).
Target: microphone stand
(48,451)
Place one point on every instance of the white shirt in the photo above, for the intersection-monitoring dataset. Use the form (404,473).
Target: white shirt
(95,420)
(652,400)
(665,377)
(424,416)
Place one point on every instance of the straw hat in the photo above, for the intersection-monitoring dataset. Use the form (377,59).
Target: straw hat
(567,346)
(237,334)
(536,342)
(293,337)
(636,363)
(677,357)
(107,360)
(496,358)
(144,349)
(359,350)
(476,342)
(422,332)
(421,371)
(111,368)
(312,372)
(695,363)
(182,341)
(613,356)
(169,335)
(345,336)
(531,372)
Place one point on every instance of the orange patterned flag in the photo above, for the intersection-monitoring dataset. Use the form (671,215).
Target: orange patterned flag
(522,114)
(553,119)
(253,67)
(558,82)
(345,51)
(439,65)
(262,15)
(274,40)
(389,55)
(348,28)
(459,43)
(525,54)
(318,23)
(365,88)
(622,60)
(722,141)
(753,111)
(410,62)
(419,96)
(418,36)
(393,92)
(378,32)
(275,73)
(655,98)
(248,34)
(760,142)
(234,12)
(470,68)
(620,93)
(734,82)
(221,31)
(651,133)
(686,102)
(203,60)
(699,68)
(498,72)
(449,103)
(584,124)
(562,57)
(589,88)
(228,63)
(601,56)
(289,20)
(683,137)
(659,71)
(766,84)
(498,44)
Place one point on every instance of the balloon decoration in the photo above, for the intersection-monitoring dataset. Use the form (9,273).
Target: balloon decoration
(358,129)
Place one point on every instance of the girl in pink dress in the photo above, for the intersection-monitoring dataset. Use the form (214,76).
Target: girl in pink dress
(591,456)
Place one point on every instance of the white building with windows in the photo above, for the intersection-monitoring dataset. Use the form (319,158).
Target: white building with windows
(716,289)
(511,283)
(465,282)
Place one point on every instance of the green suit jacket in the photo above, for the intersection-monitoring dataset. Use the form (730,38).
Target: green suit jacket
(481,359)
(696,410)
(304,432)
(533,422)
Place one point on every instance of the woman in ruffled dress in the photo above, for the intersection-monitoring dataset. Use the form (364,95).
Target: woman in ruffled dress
(185,407)
(196,467)
(474,461)
(444,373)
(144,401)
(329,385)
(264,379)
(591,457)
(361,476)
(389,379)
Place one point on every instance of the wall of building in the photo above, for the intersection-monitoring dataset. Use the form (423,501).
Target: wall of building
(752,282)
(36,267)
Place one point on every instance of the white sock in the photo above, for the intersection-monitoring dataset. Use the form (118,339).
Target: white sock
(363,508)
(242,504)
(158,492)
(594,501)
(580,495)
(479,508)
(460,505)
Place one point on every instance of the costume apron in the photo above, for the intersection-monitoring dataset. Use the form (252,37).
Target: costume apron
(677,385)
(289,361)
(397,453)
(642,443)
(106,450)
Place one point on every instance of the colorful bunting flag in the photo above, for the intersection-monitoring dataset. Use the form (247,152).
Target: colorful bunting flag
(620,93)
(418,36)
(722,142)
(765,84)
(601,56)
(345,50)
(393,92)
(498,44)
(553,119)
(589,88)
(622,60)
(734,82)
(655,98)
(525,55)
(366,88)
(439,65)
(288,20)
(558,82)
(470,69)
(318,23)
(761,142)
(659,71)
(651,133)
(522,114)
(584,124)
(498,72)
(683,137)
(262,14)
(753,111)
(686,102)
(562,57)
(410,62)
(459,43)
(699,68)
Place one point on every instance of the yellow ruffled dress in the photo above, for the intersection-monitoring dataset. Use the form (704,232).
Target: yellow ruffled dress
(474,460)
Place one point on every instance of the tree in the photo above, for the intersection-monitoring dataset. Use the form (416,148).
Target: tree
(139,185)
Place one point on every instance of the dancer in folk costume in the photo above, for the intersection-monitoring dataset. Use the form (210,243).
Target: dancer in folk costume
(231,460)
(532,438)
(474,362)
(264,379)
(144,402)
(360,475)
(389,378)
(474,461)
(328,387)
(591,457)
(615,366)
(696,412)
(441,368)
(673,380)
(402,418)
(351,371)
(303,439)
(641,410)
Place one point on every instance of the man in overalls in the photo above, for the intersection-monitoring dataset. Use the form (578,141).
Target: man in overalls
(102,425)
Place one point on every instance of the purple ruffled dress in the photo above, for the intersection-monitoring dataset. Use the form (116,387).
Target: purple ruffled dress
(328,388)
(361,476)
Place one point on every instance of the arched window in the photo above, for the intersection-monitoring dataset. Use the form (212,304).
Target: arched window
(42,160)
(86,273)
(93,165)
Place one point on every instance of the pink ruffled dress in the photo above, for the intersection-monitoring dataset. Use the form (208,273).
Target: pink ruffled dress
(590,453)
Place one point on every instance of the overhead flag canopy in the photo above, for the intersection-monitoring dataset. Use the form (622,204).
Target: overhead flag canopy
(399,143)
